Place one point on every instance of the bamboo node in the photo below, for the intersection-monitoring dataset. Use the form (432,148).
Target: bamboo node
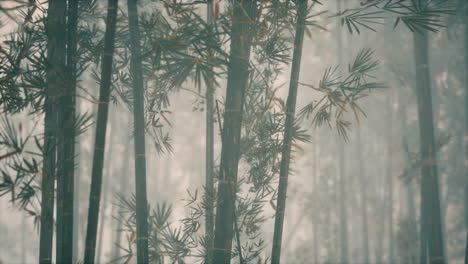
(222,249)
(226,181)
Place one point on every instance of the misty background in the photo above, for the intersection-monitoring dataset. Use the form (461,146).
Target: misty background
(377,161)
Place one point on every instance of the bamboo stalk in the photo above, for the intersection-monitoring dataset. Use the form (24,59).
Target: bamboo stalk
(136,72)
(101,127)
(288,133)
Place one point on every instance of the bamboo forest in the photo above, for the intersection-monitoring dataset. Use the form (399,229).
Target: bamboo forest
(234,131)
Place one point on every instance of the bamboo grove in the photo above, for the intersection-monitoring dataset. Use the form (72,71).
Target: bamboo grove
(233,131)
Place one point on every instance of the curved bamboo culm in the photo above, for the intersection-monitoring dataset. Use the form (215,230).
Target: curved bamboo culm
(101,127)
(288,133)
(244,12)
(136,73)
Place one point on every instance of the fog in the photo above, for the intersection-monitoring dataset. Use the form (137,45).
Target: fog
(378,175)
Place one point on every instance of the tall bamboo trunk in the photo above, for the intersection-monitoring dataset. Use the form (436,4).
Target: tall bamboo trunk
(238,75)
(67,138)
(288,131)
(47,185)
(56,55)
(209,187)
(431,224)
(60,143)
(101,127)
(363,191)
(139,133)
(466,128)
(107,174)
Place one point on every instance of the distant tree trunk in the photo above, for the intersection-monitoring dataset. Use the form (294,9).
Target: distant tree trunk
(466,123)
(411,203)
(23,240)
(431,224)
(209,187)
(315,219)
(294,230)
(409,188)
(342,178)
(343,207)
(381,225)
(56,54)
(466,128)
(410,200)
(101,127)
(288,131)
(329,230)
(423,233)
(139,134)
(363,190)
(389,176)
(238,75)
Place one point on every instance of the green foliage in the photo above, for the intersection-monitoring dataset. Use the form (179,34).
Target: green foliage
(180,49)
(165,241)
(341,94)
(191,39)
(414,14)
(20,168)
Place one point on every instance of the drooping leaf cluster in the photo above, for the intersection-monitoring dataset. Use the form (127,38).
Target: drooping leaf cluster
(165,241)
(416,15)
(340,93)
